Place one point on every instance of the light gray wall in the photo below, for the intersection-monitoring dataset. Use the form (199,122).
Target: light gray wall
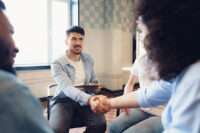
(110,43)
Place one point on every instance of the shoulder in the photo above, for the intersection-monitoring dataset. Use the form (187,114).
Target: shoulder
(12,89)
(8,80)
(139,60)
(12,85)
(86,57)
(6,75)
(194,70)
(60,60)
(189,79)
(17,103)
(191,73)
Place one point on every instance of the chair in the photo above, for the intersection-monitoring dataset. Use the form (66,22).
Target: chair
(76,122)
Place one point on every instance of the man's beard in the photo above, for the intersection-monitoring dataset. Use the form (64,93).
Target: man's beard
(76,53)
(4,57)
(9,69)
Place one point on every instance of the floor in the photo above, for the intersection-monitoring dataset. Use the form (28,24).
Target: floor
(109,116)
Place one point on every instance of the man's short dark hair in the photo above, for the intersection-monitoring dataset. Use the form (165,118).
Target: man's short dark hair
(2,5)
(76,29)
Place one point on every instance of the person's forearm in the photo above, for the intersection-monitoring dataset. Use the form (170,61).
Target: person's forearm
(129,86)
(125,101)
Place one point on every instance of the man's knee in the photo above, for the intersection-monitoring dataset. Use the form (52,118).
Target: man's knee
(60,119)
(101,125)
(98,126)
(60,129)
(59,126)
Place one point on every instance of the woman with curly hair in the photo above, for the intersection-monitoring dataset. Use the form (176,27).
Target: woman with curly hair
(145,72)
(172,44)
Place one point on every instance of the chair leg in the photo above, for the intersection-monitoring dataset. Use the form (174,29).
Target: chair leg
(48,108)
(118,111)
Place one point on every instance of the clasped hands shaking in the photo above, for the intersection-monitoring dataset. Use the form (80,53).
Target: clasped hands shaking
(99,104)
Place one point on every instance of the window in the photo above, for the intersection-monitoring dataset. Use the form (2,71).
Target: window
(40,27)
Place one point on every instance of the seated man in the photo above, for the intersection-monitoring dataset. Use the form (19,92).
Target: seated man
(20,111)
(72,69)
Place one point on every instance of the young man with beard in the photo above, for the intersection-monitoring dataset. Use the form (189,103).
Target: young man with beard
(72,69)
(20,111)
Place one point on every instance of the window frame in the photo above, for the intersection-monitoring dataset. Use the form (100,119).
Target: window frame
(49,35)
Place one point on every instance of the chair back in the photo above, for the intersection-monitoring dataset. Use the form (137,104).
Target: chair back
(51,89)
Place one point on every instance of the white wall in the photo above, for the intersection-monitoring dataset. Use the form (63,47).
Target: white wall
(37,81)
(118,53)
(111,50)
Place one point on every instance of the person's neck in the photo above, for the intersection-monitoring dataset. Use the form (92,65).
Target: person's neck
(73,57)
(9,69)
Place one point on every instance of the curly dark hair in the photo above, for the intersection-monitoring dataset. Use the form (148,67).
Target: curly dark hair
(173,40)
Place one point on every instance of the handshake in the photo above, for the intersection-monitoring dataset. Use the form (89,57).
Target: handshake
(99,104)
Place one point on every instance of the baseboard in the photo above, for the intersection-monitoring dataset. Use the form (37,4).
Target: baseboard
(43,99)
(114,92)
(120,91)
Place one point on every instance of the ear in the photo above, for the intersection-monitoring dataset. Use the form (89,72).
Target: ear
(66,42)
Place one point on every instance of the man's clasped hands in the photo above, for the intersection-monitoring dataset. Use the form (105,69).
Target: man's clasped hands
(99,104)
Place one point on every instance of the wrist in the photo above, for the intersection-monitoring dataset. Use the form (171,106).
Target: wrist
(90,98)
(127,91)
(109,104)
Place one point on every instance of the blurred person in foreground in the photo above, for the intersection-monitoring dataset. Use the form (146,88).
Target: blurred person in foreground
(20,110)
(172,43)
